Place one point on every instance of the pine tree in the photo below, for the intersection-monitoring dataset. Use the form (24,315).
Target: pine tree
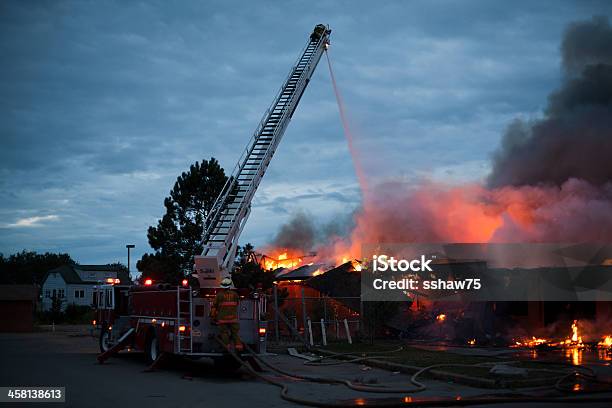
(177,237)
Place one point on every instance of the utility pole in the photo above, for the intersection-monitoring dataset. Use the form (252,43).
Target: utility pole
(129,246)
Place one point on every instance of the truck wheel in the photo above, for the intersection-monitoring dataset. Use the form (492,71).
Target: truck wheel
(226,364)
(105,343)
(152,348)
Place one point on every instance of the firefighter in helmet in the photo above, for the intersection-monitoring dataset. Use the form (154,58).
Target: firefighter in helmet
(318,31)
(224,313)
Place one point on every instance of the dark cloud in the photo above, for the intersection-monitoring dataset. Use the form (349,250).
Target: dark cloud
(574,139)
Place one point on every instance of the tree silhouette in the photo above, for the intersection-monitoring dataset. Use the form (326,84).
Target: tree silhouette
(178,234)
(248,273)
(28,267)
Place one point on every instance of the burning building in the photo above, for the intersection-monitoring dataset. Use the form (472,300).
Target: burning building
(304,297)
(551,181)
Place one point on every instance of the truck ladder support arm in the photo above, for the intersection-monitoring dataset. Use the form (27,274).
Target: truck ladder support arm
(230,211)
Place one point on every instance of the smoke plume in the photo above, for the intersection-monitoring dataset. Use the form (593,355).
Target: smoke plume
(298,233)
(551,179)
(301,234)
(574,138)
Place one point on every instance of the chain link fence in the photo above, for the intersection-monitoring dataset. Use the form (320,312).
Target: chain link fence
(300,314)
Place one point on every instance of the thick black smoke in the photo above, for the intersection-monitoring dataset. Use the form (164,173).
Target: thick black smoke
(574,140)
(298,233)
(586,43)
(302,234)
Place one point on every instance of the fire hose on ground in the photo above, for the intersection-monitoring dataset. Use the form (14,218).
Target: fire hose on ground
(370,356)
(418,387)
(575,372)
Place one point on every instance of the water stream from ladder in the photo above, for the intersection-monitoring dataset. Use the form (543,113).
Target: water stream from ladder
(348,134)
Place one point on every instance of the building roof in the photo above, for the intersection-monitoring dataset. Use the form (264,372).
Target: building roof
(67,272)
(70,273)
(303,272)
(342,282)
(278,272)
(18,292)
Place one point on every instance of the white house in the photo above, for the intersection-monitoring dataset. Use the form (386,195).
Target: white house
(74,283)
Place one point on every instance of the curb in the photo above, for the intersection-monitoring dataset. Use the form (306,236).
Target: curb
(445,375)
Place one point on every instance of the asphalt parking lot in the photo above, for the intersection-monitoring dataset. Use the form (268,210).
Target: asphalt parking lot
(68,359)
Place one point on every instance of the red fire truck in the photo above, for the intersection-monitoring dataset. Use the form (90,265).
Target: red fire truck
(175,319)
(159,318)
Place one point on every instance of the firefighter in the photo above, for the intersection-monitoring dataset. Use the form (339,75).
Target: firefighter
(319,30)
(224,313)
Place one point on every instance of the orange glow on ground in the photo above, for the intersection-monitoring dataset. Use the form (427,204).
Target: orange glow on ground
(532,342)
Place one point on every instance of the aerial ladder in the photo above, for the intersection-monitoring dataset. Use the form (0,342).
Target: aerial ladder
(229,213)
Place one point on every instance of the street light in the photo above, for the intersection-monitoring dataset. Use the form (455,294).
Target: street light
(129,246)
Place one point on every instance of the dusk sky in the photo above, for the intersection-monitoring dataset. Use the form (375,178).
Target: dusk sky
(104,104)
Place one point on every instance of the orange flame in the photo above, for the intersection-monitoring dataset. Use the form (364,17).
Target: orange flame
(281,258)
(533,342)
(606,342)
(470,213)
(575,340)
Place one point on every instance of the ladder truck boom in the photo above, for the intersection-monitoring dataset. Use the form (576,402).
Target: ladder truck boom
(164,319)
(231,209)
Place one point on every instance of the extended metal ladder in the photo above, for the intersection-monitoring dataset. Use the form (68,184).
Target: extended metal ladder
(231,209)
(184,318)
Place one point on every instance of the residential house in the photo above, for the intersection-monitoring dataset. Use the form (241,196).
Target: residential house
(74,283)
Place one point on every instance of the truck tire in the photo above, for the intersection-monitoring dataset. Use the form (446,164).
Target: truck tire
(226,364)
(104,339)
(151,348)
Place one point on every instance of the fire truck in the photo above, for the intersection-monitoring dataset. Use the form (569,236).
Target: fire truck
(164,318)
(159,318)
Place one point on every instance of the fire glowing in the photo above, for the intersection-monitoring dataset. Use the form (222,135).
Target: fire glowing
(473,213)
(281,258)
(606,342)
(441,317)
(317,272)
(575,340)
(575,337)
(533,342)
(273,258)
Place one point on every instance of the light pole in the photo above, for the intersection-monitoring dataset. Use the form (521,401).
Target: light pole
(129,246)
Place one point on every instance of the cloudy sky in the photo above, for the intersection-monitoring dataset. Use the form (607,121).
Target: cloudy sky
(104,104)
